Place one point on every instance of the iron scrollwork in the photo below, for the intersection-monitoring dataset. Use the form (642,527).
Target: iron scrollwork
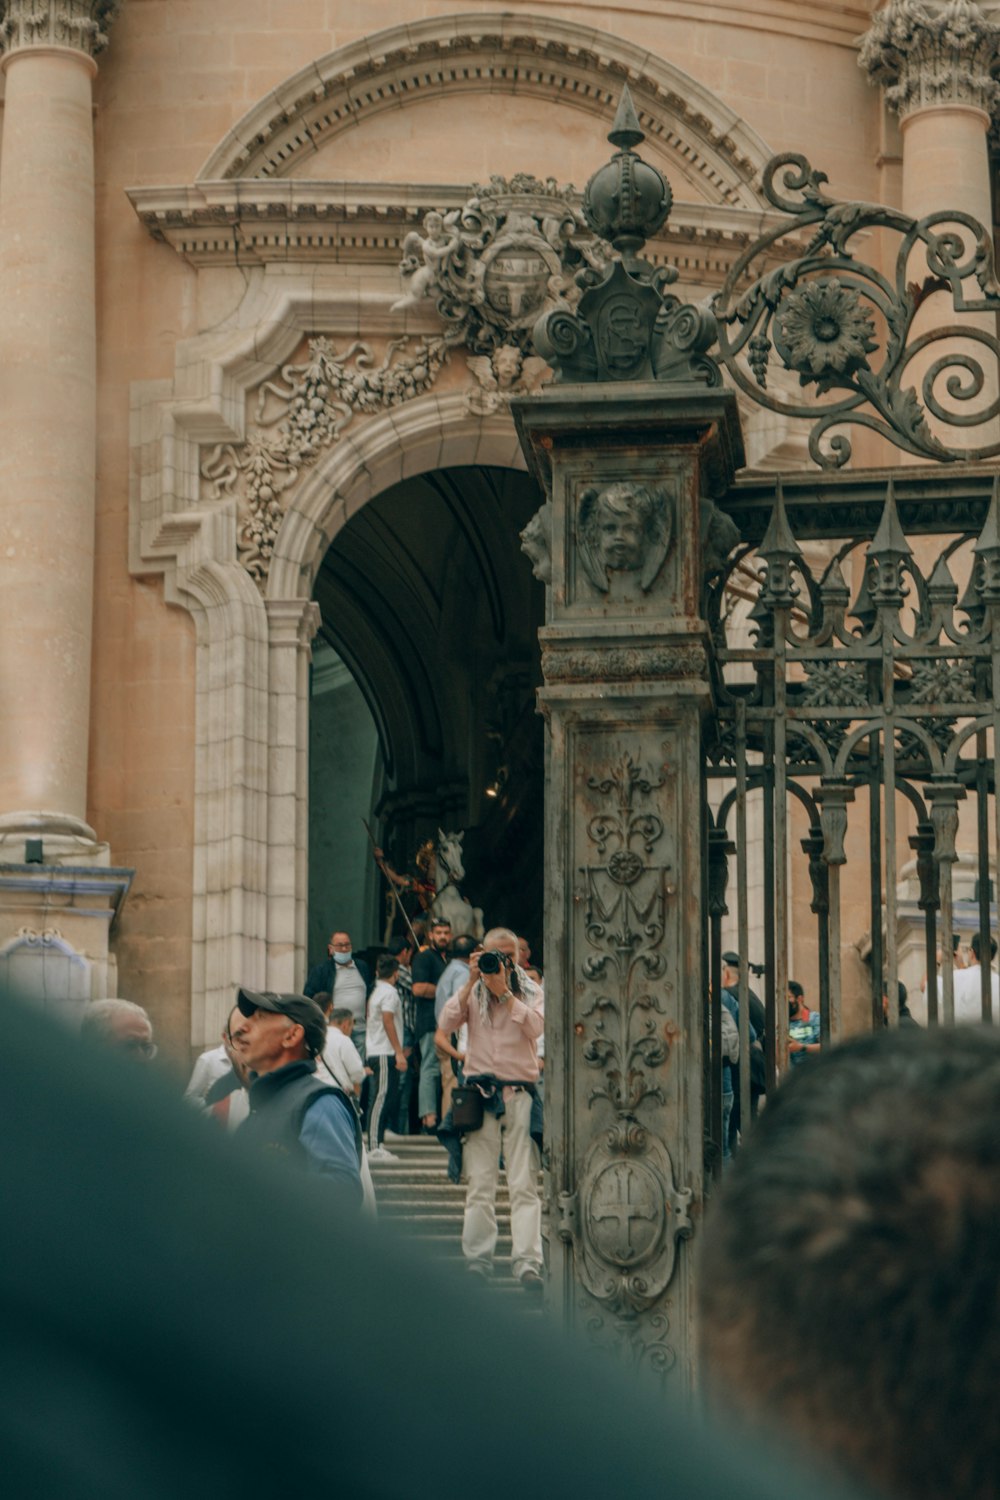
(848,331)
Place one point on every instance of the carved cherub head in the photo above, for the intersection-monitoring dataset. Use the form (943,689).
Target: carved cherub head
(622,529)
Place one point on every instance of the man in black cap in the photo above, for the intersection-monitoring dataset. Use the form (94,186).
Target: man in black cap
(292,1112)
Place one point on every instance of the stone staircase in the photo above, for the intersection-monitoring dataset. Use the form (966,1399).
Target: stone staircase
(416,1198)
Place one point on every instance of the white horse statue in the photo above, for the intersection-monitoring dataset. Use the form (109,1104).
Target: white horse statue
(449,905)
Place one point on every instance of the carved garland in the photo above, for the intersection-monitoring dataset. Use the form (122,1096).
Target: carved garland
(301,414)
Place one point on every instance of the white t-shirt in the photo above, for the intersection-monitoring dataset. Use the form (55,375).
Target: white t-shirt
(343,1059)
(968,996)
(208,1069)
(384,1000)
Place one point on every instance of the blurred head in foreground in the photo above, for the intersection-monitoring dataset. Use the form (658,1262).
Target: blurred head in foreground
(122,1025)
(850,1290)
(153,1268)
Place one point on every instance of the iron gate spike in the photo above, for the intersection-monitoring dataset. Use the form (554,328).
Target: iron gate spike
(779,551)
(987,552)
(889,551)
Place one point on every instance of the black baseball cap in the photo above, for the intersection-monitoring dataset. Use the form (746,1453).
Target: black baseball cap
(732,959)
(297,1008)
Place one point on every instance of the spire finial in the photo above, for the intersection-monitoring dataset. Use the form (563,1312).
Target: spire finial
(626,132)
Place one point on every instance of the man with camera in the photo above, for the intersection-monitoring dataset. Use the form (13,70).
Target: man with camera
(503,1010)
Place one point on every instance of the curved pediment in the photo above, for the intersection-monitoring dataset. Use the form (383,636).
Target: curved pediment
(462,63)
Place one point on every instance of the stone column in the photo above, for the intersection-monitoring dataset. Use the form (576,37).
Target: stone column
(628,444)
(47,431)
(291,627)
(936,64)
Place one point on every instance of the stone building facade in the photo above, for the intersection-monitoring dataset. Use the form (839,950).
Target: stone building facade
(210,372)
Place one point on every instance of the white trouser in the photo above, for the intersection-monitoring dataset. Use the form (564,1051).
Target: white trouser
(481,1162)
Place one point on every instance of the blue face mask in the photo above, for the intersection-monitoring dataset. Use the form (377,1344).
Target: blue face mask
(342,958)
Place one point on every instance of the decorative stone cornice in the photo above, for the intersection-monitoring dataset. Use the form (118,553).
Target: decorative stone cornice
(80,24)
(927,56)
(255,223)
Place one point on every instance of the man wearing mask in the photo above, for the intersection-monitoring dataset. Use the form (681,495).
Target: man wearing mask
(347,979)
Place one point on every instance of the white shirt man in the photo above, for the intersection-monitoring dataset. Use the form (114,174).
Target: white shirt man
(968,988)
(340,1054)
(384,1055)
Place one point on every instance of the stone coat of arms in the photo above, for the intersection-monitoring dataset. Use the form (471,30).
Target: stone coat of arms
(493,267)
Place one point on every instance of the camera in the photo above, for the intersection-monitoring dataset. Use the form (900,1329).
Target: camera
(491,962)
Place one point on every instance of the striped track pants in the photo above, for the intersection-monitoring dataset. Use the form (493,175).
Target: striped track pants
(383,1094)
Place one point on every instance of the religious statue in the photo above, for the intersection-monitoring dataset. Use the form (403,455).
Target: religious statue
(440,867)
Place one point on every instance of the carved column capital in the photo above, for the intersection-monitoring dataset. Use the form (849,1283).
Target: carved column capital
(933,55)
(80,24)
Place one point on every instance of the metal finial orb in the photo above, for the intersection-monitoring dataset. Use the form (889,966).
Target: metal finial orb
(626,200)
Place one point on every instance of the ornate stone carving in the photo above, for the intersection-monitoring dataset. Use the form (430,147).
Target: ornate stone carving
(300,414)
(625,921)
(492,267)
(622,663)
(631,1216)
(83,24)
(925,56)
(625,328)
(718,534)
(623,528)
(504,373)
(629,1211)
(536,541)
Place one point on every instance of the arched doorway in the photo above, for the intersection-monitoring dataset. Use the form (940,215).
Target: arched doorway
(422,705)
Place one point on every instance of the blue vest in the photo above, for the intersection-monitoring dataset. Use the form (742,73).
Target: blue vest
(278,1104)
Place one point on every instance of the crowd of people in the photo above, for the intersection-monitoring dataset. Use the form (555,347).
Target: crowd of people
(847,1281)
(360,1059)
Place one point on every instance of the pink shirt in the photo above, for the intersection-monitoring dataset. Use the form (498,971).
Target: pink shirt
(503,1044)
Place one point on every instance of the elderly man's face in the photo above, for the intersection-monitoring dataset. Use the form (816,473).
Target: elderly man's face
(507,945)
(132,1035)
(268,1040)
(620,537)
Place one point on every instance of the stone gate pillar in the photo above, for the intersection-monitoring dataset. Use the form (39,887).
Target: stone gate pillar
(629,443)
(48,424)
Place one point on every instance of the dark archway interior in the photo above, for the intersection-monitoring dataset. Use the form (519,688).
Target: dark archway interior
(427,598)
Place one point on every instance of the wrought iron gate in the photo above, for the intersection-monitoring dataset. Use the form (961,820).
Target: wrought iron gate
(859,685)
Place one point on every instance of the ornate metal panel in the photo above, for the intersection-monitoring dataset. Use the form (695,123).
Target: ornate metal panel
(866,688)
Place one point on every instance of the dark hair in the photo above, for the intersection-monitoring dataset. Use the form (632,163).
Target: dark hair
(794,988)
(324,1000)
(900,992)
(398,941)
(464,946)
(848,1274)
(341,1013)
(386,965)
(440,922)
(977,943)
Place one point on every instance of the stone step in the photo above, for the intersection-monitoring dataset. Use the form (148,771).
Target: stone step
(416,1199)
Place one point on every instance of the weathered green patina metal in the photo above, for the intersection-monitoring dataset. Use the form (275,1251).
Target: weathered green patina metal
(848,330)
(626,327)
